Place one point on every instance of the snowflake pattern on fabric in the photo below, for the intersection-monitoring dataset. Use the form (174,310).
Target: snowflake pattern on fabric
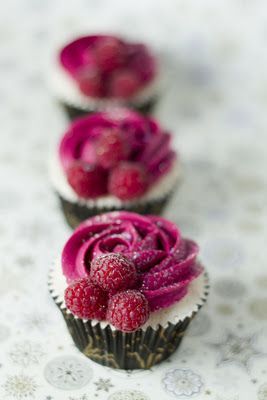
(236,349)
(20,386)
(182,382)
(103,385)
(26,353)
(68,372)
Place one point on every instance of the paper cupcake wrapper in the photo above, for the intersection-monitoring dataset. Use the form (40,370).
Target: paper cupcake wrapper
(74,112)
(116,349)
(75,213)
(141,349)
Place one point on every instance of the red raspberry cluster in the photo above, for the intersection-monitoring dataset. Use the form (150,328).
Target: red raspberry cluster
(108,294)
(111,171)
(113,68)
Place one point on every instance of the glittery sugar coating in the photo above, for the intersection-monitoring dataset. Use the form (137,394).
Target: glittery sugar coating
(113,272)
(128,310)
(86,300)
(165,262)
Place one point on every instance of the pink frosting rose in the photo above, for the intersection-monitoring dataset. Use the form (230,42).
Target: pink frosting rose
(105,66)
(166,263)
(149,145)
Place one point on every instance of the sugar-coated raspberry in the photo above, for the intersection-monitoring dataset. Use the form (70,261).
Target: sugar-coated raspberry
(128,181)
(86,300)
(128,310)
(90,83)
(111,147)
(124,83)
(87,180)
(113,272)
(109,54)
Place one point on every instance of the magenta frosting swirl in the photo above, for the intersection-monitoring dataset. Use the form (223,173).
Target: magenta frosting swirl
(150,144)
(72,57)
(78,55)
(166,263)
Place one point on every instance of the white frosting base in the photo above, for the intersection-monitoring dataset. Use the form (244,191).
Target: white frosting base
(66,89)
(196,297)
(164,186)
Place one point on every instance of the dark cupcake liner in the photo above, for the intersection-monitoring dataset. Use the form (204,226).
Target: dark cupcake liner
(75,213)
(116,349)
(137,350)
(73,112)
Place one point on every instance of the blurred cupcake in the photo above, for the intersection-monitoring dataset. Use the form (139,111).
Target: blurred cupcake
(114,160)
(128,287)
(97,71)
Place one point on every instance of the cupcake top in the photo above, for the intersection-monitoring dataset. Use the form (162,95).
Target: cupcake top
(122,266)
(117,153)
(108,67)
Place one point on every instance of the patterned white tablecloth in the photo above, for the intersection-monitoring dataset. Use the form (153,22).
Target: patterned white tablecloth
(215,54)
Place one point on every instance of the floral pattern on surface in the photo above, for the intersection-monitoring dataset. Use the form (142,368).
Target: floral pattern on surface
(128,395)
(20,386)
(103,384)
(236,349)
(68,372)
(26,353)
(182,382)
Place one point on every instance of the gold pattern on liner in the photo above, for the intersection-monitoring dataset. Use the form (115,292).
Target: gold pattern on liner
(144,357)
(140,349)
(97,355)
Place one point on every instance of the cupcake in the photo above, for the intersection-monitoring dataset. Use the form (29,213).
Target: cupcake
(94,72)
(114,160)
(128,286)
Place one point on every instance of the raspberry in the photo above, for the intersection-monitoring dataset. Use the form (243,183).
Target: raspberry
(124,83)
(111,147)
(109,54)
(86,300)
(90,82)
(87,180)
(128,181)
(128,310)
(113,272)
